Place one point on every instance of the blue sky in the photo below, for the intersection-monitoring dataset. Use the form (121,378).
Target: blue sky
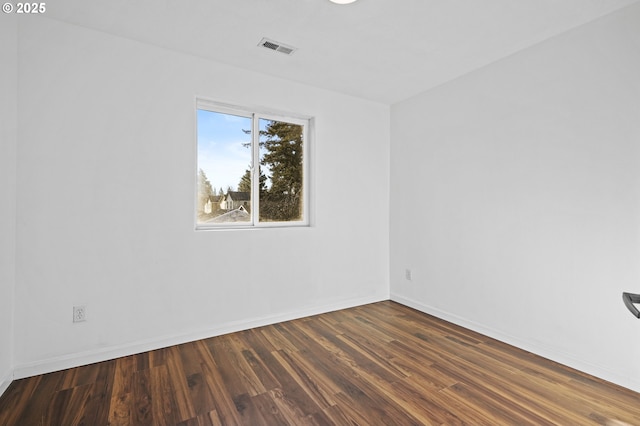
(221,153)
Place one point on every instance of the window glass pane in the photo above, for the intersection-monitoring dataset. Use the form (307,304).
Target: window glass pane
(224,162)
(281,171)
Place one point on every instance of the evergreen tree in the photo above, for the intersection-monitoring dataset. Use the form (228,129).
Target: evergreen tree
(282,143)
(245,182)
(205,190)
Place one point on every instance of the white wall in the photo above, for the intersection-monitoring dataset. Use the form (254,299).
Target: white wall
(106,163)
(8,135)
(515,196)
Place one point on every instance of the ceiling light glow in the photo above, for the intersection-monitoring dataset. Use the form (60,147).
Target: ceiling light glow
(342,1)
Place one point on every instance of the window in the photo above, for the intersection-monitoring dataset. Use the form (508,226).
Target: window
(252,168)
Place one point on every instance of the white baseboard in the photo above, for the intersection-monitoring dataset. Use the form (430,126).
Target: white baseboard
(5,381)
(89,357)
(541,350)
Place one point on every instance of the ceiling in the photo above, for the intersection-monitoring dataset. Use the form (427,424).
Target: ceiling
(382,50)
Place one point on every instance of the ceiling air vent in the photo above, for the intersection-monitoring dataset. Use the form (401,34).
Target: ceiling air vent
(277,46)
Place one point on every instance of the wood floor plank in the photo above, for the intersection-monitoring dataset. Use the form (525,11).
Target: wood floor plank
(277,409)
(200,394)
(142,408)
(158,357)
(178,378)
(16,398)
(97,407)
(226,410)
(163,403)
(416,401)
(307,390)
(339,368)
(120,413)
(356,354)
(377,364)
(238,377)
(337,416)
(320,388)
(37,406)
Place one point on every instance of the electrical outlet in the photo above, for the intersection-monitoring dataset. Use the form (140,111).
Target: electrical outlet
(407,274)
(79,313)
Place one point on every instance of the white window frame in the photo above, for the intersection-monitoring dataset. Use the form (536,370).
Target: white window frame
(256,114)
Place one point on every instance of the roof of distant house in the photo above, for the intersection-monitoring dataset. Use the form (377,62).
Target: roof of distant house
(237,215)
(239,196)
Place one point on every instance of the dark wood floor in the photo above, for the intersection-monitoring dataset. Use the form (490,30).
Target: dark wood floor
(376,364)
